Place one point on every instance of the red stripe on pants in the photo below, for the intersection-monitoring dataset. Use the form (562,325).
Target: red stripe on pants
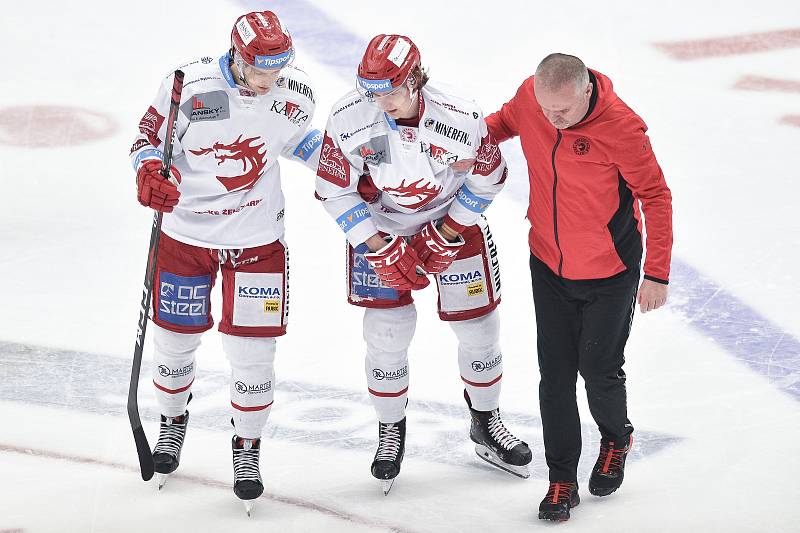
(173,391)
(254,408)
(489,384)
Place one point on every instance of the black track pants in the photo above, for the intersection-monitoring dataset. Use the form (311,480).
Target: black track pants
(582,326)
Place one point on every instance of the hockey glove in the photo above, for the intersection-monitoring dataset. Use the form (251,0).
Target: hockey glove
(434,251)
(153,190)
(398,266)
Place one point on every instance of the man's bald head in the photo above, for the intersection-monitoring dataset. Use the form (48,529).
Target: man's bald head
(563,90)
(557,71)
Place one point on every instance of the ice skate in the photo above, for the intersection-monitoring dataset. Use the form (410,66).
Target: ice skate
(389,456)
(609,470)
(167,451)
(497,445)
(247,482)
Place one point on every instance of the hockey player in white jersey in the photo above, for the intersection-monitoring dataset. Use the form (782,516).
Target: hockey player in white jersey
(406,171)
(238,114)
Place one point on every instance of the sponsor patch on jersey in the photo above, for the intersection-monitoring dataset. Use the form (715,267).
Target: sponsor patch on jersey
(292,111)
(308,145)
(445,130)
(463,285)
(204,107)
(364,282)
(150,153)
(471,201)
(332,165)
(150,124)
(138,145)
(488,157)
(353,217)
(258,299)
(375,151)
(183,300)
(301,88)
(438,154)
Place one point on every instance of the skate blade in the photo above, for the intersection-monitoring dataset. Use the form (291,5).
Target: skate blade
(489,456)
(248,506)
(162,480)
(386,485)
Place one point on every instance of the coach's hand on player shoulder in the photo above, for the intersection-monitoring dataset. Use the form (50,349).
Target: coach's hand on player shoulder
(398,266)
(153,190)
(435,252)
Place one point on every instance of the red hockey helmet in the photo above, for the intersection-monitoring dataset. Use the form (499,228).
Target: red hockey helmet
(261,40)
(387,63)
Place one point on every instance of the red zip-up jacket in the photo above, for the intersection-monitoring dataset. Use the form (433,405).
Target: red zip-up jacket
(586,183)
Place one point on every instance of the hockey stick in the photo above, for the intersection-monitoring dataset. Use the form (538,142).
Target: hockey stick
(142,447)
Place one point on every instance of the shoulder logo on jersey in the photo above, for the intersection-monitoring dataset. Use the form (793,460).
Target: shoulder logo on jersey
(449,107)
(150,124)
(488,157)
(415,194)
(249,161)
(204,107)
(293,112)
(332,165)
(346,106)
(438,154)
(445,130)
(375,151)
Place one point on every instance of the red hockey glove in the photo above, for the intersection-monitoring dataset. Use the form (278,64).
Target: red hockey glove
(398,266)
(434,251)
(153,190)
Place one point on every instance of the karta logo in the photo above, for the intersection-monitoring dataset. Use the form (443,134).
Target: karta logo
(438,154)
(415,194)
(253,160)
(150,124)
(290,110)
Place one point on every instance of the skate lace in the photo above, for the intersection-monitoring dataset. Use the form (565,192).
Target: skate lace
(559,492)
(610,458)
(388,443)
(499,432)
(170,437)
(245,464)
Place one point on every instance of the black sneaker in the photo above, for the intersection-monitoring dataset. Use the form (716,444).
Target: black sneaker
(609,470)
(560,498)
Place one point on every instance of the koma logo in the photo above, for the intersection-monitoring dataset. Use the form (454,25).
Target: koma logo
(259,292)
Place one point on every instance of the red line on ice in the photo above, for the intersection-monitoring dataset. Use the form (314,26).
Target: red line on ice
(49,454)
(759,83)
(732,45)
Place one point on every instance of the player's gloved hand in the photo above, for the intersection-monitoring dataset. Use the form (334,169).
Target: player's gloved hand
(398,265)
(153,190)
(434,251)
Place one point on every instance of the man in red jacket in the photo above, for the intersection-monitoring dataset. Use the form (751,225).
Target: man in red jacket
(590,167)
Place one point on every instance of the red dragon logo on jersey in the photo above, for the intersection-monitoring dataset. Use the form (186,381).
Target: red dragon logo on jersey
(418,193)
(253,160)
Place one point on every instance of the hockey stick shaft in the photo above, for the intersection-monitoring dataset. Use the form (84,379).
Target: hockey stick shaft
(142,447)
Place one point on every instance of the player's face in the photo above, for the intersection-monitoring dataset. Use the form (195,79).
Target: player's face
(398,103)
(260,80)
(563,107)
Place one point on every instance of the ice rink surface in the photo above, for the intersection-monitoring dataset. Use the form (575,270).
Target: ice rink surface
(713,378)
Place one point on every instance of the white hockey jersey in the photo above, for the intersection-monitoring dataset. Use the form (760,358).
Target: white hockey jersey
(410,167)
(227,145)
